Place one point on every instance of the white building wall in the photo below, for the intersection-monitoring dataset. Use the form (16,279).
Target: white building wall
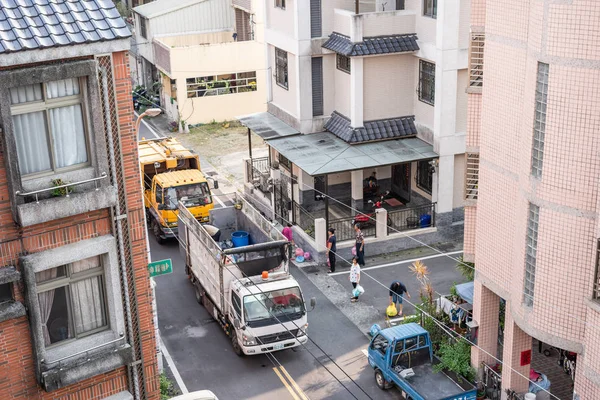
(342,92)
(461,101)
(285,99)
(201,17)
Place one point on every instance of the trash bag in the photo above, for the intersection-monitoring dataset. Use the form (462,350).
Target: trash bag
(358,291)
(354,251)
(391,311)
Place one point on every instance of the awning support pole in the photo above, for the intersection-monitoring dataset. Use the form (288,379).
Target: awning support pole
(250,143)
(326,201)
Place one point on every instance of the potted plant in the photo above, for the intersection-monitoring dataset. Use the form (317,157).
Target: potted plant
(59,191)
(480,392)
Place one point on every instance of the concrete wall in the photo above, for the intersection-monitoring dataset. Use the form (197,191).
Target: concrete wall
(424,112)
(342,21)
(388,86)
(196,39)
(464,24)
(461,100)
(329,71)
(388,23)
(328,8)
(281,20)
(282,98)
(459,181)
(425,26)
(342,91)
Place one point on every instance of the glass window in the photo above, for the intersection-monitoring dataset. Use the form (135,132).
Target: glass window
(426,82)
(50,126)
(280,4)
(72,300)
(237,304)
(204,86)
(430,8)
(380,343)
(264,308)
(539,122)
(343,63)
(281,68)
(143,27)
(197,194)
(5,293)
(424,176)
(531,253)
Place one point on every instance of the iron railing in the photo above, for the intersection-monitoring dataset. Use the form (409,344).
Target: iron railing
(65,186)
(344,227)
(304,219)
(411,218)
(257,167)
(492,383)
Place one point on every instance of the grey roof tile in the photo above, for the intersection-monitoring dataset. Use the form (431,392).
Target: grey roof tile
(385,129)
(39,24)
(371,45)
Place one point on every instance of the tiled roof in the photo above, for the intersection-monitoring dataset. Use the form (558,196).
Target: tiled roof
(383,129)
(39,24)
(372,45)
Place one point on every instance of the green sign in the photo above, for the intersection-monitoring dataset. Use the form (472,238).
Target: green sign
(161,267)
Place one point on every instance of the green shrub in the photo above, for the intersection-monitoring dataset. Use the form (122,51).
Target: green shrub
(467,269)
(455,356)
(167,389)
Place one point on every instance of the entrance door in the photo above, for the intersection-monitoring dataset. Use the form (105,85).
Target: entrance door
(401,181)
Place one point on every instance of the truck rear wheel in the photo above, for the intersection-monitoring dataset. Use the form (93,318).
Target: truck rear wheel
(380,381)
(235,344)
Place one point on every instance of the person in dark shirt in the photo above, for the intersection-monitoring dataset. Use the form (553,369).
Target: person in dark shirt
(331,248)
(397,290)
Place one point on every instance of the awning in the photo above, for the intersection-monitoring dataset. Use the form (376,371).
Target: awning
(267,126)
(325,153)
(465,291)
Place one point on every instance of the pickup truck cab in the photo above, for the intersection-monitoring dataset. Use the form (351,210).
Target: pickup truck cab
(402,356)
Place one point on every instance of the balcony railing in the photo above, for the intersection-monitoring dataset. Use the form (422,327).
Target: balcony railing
(257,170)
(65,186)
(405,219)
(304,219)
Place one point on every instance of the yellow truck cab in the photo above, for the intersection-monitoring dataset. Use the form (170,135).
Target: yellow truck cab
(171,173)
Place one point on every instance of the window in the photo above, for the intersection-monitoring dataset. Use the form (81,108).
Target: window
(317,85)
(539,123)
(281,68)
(476,60)
(72,300)
(380,343)
(426,82)
(430,8)
(531,253)
(242,26)
(316,26)
(237,304)
(280,4)
(143,29)
(472,176)
(343,63)
(265,308)
(319,185)
(193,195)
(399,5)
(285,162)
(218,85)
(50,126)
(424,176)
(5,293)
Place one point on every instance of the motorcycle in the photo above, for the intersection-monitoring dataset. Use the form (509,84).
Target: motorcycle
(368,220)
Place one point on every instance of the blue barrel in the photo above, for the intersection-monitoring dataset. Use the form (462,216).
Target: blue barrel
(425,221)
(240,238)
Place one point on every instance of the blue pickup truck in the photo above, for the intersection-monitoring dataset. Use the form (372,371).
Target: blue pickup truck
(402,356)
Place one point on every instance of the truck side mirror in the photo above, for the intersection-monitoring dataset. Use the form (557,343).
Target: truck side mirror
(313,303)
(237,324)
(216,184)
(161,206)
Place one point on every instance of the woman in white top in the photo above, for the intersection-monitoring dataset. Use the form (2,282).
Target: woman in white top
(354,277)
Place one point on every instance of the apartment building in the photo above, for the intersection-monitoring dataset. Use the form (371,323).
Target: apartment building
(206,55)
(367,87)
(532,217)
(75,297)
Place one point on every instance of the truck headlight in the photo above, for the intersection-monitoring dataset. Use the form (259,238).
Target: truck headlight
(172,224)
(248,340)
(303,329)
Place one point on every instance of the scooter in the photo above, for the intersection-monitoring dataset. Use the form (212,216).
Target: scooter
(368,220)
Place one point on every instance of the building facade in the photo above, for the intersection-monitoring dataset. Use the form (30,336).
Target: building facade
(206,56)
(531,221)
(75,297)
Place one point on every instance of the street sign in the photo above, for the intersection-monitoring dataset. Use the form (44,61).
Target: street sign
(161,267)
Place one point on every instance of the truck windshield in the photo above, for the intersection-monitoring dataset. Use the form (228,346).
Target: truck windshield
(266,308)
(196,194)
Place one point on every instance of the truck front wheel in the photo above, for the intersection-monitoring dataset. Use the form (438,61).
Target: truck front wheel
(236,345)
(380,381)
(156,230)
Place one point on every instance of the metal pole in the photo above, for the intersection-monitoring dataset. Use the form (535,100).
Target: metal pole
(327,200)
(250,144)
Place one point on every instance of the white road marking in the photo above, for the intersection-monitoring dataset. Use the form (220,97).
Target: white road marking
(400,262)
(173,368)
(365,352)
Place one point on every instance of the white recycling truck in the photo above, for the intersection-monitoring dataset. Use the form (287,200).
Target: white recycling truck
(248,289)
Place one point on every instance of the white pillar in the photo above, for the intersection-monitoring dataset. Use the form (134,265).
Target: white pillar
(246,177)
(356,92)
(157,331)
(356,183)
(320,234)
(445,194)
(381,229)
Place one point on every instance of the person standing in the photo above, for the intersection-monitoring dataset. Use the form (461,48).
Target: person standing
(397,290)
(331,249)
(288,233)
(354,277)
(360,245)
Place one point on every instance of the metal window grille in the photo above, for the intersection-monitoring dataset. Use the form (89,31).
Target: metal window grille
(281,68)
(285,162)
(430,8)
(476,59)
(343,63)
(531,253)
(472,176)
(218,85)
(596,294)
(539,123)
(316,26)
(426,82)
(317,85)
(280,4)
(143,27)
(424,176)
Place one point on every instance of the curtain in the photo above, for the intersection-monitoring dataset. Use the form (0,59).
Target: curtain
(87,297)
(32,142)
(62,88)
(68,133)
(46,299)
(27,93)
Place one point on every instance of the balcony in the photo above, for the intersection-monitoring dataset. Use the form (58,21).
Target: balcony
(374,24)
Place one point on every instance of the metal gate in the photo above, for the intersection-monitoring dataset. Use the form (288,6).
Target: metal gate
(282,205)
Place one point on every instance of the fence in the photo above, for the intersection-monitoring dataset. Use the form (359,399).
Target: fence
(257,167)
(304,219)
(492,383)
(411,218)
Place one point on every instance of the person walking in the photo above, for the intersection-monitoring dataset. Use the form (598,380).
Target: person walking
(354,277)
(331,248)
(360,245)
(288,233)
(397,290)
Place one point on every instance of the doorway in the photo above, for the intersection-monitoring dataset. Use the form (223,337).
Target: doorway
(401,182)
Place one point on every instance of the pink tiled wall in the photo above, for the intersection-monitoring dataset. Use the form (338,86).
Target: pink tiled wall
(478,12)
(515,342)
(469,232)
(486,316)
(474,119)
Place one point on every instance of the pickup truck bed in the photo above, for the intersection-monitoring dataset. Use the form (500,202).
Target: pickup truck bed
(433,385)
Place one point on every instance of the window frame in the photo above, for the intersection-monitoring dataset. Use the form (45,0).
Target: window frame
(531,240)
(284,162)
(343,63)
(281,69)
(193,84)
(10,295)
(426,74)
(382,351)
(45,105)
(539,119)
(236,302)
(67,280)
(427,184)
(143,27)
(432,5)
(280,4)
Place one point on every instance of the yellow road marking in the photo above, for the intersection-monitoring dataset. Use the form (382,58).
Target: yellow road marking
(294,384)
(287,385)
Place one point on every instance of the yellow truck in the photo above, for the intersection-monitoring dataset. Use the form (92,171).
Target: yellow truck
(171,173)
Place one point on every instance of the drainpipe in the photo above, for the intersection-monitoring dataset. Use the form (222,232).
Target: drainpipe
(117,218)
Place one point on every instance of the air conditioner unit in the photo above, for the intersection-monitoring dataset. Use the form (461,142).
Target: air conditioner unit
(265,182)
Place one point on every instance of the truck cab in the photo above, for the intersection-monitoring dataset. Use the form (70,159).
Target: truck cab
(402,356)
